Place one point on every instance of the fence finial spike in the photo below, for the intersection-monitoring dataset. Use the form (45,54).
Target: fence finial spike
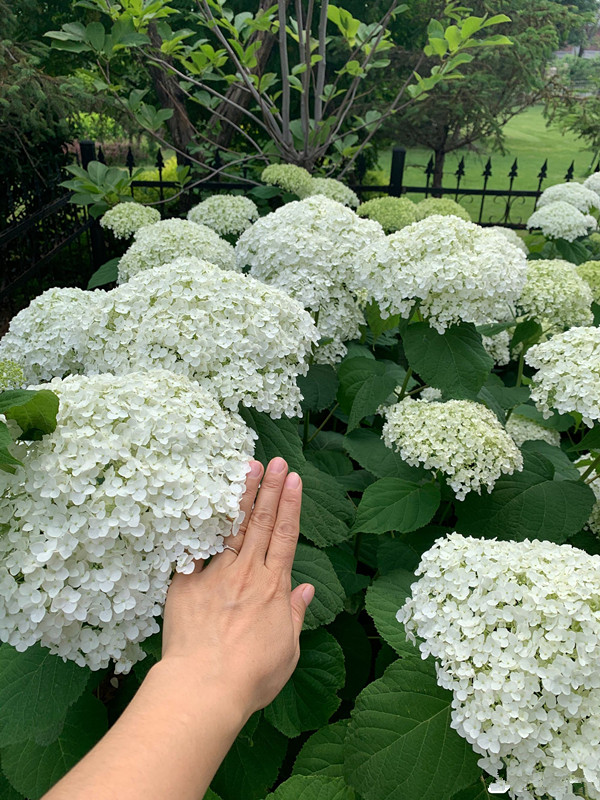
(543,173)
(460,170)
(160,162)
(570,172)
(514,170)
(130,160)
(487,170)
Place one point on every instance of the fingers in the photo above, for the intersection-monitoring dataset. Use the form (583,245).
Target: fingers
(301,598)
(282,547)
(263,517)
(252,483)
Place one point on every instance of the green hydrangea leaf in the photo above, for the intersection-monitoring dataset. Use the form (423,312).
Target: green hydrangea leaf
(527,505)
(33,769)
(399,743)
(310,697)
(319,387)
(327,513)
(252,764)
(107,273)
(454,361)
(384,597)
(323,753)
(36,690)
(313,566)
(393,504)
(313,787)
(369,449)
(33,411)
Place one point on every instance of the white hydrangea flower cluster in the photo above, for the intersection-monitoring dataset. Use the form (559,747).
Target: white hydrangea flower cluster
(11,375)
(288,177)
(240,339)
(498,347)
(125,219)
(523,430)
(48,338)
(442,207)
(226,214)
(169,239)
(568,373)
(511,235)
(334,190)
(515,631)
(590,272)
(583,464)
(392,213)
(562,220)
(593,182)
(310,249)
(462,439)
(554,291)
(143,474)
(576,194)
(459,271)
(429,394)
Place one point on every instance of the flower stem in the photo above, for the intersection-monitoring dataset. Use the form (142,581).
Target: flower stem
(520,370)
(322,425)
(592,468)
(407,378)
(306,428)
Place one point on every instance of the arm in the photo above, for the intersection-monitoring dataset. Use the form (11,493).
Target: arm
(230,643)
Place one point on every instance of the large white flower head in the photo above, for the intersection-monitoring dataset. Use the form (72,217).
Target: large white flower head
(288,177)
(593,182)
(462,439)
(310,249)
(441,207)
(522,429)
(169,239)
(511,235)
(568,373)
(514,628)
(11,375)
(143,474)
(242,340)
(226,214)
(458,270)
(48,337)
(576,194)
(590,272)
(554,291)
(560,220)
(334,190)
(392,213)
(125,219)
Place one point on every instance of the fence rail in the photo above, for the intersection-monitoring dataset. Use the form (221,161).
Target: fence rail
(29,245)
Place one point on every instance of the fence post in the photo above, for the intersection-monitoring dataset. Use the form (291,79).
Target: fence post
(397,171)
(97,243)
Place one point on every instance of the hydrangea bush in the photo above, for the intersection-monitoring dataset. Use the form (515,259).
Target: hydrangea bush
(426,382)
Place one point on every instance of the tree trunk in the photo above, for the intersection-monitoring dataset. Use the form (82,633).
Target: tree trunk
(237,92)
(170,96)
(439,159)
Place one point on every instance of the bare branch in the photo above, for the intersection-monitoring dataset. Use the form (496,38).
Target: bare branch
(285,81)
(321,66)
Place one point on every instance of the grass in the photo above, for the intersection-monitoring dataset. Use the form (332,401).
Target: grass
(528,139)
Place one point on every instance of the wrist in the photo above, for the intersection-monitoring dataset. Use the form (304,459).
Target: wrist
(186,687)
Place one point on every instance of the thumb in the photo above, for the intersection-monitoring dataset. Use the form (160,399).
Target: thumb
(301,598)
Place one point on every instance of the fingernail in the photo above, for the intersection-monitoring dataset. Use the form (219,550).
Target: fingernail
(292,481)
(255,468)
(277,465)
(308,593)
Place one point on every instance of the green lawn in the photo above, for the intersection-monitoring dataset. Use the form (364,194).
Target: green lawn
(527,138)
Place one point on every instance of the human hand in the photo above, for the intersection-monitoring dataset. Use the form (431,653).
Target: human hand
(235,623)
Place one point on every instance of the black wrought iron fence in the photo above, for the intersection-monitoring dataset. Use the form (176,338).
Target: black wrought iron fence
(26,248)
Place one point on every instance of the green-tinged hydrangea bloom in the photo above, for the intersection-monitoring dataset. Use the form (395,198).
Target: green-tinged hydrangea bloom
(226,214)
(442,206)
(11,375)
(288,177)
(590,272)
(334,190)
(555,292)
(462,439)
(523,429)
(127,218)
(392,213)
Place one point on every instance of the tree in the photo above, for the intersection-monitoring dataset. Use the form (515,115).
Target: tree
(497,83)
(288,104)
